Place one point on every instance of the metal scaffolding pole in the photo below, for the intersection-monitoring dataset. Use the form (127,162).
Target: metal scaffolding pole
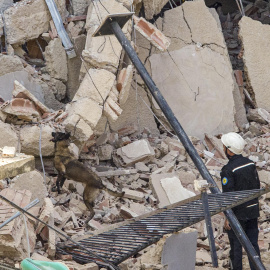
(112,25)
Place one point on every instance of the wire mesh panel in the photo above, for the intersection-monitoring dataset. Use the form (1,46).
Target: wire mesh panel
(122,242)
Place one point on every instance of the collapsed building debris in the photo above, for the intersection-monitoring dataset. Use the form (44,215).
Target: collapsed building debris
(99,93)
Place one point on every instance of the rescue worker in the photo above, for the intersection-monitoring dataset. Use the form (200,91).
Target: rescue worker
(240,174)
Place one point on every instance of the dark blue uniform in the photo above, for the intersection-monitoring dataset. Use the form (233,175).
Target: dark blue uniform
(240,174)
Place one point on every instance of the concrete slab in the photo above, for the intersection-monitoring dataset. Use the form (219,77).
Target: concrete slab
(168,189)
(179,251)
(21,163)
(201,78)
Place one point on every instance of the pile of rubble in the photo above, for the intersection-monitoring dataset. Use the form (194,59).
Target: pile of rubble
(214,82)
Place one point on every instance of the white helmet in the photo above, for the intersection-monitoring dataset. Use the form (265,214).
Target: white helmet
(234,142)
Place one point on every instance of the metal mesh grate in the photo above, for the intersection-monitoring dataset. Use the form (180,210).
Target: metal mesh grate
(120,243)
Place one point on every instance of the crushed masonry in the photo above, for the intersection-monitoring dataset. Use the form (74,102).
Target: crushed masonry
(208,61)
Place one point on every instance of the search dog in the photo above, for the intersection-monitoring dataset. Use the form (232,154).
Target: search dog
(68,167)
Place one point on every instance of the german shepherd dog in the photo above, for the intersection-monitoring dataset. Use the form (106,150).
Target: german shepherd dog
(68,167)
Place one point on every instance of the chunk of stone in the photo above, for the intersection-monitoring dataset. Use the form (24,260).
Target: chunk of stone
(133,194)
(141,167)
(8,152)
(74,65)
(127,213)
(151,33)
(96,85)
(87,109)
(56,60)
(78,127)
(26,21)
(264,176)
(12,237)
(105,152)
(133,153)
(254,35)
(197,90)
(34,182)
(124,83)
(9,64)
(8,136)
(21,92)
(168,189)
(29,136)
(153,7)
(80,6)
(258,115)
(179,250)
(102,52)
(21,163)
(35,86)
(186,178)
(45,214)
(134,111)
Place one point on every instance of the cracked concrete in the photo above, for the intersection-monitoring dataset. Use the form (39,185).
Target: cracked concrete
(201,97)
(189,25)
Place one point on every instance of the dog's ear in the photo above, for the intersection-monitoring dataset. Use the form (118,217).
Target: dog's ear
(53,134)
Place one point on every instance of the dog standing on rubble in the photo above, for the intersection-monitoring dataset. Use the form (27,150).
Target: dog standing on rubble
(69,167)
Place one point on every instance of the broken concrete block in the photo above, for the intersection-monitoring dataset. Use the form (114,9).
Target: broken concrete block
(8,152)
(198,62)
(34,182)
(87,109)
(80,6)
(134,111)
(78,127)
(9,64)
(133,194)
(186,178)
(8,136)
(21,163)
(96,85)
(151,33)
(23,109)
(153,7)
(52,238)
(254,35)
(12,236)
(26,20)
(45,214)
(264,176)
(74,66)
(258,115)
(133,153)
(105,152)
(141,167)
(36,86)
(179,250)
(112,109)
(29,136)
(102,52)
(127,213)
(124,83)
(21,92)
(168,189)
(56,60)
